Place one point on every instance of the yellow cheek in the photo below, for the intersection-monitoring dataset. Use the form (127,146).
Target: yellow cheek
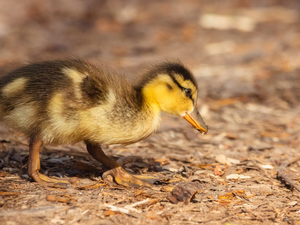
(186,105)
(175,103)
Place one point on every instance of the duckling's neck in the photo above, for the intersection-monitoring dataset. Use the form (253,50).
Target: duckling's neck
(149,100)
(149,108)
(149,104)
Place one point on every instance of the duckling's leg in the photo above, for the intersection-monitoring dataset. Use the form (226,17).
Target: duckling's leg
(34,166)
(120,175)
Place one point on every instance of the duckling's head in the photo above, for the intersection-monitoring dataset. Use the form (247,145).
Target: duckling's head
(170,87)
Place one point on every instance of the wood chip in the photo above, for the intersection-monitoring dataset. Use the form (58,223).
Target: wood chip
(226,160)
(184,192)
(109,213)
(162,161)
(182,158)
(55,198)
(93,185)
(167,189)
(121,210)
(7,193)
(74,180)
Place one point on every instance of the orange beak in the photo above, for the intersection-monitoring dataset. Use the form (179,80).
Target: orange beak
(196,120)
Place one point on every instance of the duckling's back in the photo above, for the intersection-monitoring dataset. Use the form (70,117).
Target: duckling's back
(47,99)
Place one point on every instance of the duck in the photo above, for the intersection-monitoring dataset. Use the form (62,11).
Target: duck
(66,101)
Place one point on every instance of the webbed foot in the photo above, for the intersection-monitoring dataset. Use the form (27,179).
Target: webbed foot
(47,181)
(117,172)
(126,179)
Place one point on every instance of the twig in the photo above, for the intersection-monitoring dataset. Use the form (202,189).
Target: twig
(137,203)
(121,210)
(257,216)
(78,217)
(285,177)
(259,167)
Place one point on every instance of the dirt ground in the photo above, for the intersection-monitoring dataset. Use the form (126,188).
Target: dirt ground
(246,58)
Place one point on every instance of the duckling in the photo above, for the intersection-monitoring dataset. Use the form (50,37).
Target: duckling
(68,101)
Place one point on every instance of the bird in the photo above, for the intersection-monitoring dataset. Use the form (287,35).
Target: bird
(66,101)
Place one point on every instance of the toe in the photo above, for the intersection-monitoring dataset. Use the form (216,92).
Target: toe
(51,180)
(123,178)
(48,182)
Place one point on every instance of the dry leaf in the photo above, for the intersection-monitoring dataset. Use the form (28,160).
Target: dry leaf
(92,185)
(3,174)
(227,196)
(167,189)
(109,213)
(163,161)
(54,198)
(218,171)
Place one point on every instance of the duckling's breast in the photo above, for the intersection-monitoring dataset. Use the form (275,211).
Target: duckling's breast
(119,122)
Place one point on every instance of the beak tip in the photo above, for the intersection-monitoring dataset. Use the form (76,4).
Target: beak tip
(199,124)
(203,131)
(203,128)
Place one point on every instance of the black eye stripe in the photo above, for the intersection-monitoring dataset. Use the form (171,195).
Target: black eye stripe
(182,88)
(191,98)
(169,86)
(176,82)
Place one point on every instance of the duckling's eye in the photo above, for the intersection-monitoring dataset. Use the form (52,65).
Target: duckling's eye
(188,92)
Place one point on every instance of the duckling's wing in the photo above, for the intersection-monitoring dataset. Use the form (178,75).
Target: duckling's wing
(47,97)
